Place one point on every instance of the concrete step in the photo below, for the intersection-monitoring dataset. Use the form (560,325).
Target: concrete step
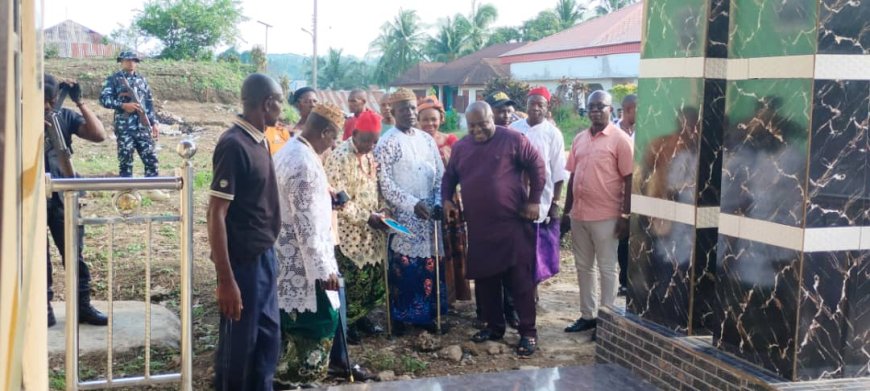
(128,332)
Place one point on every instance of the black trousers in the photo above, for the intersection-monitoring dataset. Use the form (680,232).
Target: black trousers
(521,278)
(622,258)
(55,226)
(507,301)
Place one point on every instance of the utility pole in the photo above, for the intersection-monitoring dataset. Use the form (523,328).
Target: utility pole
(314,42)
(266,45)
(313,34)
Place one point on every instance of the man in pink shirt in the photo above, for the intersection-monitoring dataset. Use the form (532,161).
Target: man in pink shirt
(597,207)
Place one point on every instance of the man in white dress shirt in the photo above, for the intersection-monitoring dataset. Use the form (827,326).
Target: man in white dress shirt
(547,140)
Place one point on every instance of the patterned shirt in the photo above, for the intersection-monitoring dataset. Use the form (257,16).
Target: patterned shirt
(410,170)
(305,248)
(356,175)
(110,98)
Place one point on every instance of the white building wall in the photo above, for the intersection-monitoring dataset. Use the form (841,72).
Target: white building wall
(598,69)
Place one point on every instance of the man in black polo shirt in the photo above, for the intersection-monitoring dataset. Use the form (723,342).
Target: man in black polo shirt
(243,223)
(88,127)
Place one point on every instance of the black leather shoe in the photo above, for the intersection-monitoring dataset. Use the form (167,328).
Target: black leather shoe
(582,325)
(51,319)
(486,335)
(359,373)
(622,291)
(90,315)
(362,374)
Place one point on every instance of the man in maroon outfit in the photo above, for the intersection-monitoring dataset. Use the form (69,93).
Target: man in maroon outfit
(491,165)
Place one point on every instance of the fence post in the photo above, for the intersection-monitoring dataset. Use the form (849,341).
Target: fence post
(71,260)
(186,149)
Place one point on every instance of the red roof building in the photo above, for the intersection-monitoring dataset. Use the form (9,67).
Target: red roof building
(73,40)
(603,51)
(460,81)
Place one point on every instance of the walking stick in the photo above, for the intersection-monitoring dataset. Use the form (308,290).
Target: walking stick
(342,297)
(387,286)
(437,280)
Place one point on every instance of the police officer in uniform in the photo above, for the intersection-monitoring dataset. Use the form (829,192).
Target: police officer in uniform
(88,127)
(132,135)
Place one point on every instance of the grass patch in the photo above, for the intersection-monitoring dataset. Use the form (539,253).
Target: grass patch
(400,364)
(202,180)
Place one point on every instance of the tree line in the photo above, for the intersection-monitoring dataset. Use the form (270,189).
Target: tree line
(192,29)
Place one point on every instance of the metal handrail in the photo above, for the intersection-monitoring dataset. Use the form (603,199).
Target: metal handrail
(70,188)
(114,184)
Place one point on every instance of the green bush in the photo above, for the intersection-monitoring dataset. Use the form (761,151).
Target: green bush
(569,122)
(290,115)
(451,122)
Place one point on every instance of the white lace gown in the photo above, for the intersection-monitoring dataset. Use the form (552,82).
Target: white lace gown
(305,246)
(409,170)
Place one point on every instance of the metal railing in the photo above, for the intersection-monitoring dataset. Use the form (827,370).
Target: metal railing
(70,187)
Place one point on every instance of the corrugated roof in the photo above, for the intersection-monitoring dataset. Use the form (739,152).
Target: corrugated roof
(339,98)
(418,74)
(476,68)
(77,41)
(620,27)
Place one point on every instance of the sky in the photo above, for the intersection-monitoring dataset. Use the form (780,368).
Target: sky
(350,25)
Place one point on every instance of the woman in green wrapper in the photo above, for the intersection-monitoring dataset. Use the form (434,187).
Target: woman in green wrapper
(307,271)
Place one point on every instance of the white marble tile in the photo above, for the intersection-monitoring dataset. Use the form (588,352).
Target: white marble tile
(842,67)
(782,67)
(685,67)
(832,239)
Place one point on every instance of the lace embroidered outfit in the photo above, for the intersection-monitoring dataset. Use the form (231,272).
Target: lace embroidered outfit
(305,246)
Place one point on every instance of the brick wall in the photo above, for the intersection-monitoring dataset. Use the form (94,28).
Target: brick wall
(675,362)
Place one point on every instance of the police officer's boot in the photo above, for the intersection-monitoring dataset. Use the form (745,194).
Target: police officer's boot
(51,319)
(88,314)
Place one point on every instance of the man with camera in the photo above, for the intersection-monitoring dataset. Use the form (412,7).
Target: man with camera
(88,127)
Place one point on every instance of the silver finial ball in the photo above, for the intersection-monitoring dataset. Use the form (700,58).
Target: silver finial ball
(186,149)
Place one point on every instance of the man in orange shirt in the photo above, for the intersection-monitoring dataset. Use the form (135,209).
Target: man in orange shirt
(598,206)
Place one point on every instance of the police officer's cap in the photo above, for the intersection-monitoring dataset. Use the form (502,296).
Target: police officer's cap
(128,55)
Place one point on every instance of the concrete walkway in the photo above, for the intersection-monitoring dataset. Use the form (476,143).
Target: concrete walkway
(128,332)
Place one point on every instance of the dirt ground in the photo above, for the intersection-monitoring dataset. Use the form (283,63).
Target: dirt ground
(129,250)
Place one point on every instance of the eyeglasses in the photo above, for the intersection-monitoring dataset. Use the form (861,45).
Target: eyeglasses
(597,106)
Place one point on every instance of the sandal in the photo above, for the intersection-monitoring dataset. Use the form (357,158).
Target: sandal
(527,346)
(486,335)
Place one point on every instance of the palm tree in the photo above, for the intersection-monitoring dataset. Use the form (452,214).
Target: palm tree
(607,6)
(450,41)
(480,19)
(335,71)
(400,46)
(569,12)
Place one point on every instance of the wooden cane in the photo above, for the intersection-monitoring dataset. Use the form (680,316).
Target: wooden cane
(437,280)
(387,287)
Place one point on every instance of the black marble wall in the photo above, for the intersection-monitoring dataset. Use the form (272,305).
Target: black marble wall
(661,256)
(786,158)
(844,27)
(678,160)
(838,164)
(758,289)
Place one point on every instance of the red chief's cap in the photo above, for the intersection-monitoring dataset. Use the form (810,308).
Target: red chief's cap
(368,121)
(542,91)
